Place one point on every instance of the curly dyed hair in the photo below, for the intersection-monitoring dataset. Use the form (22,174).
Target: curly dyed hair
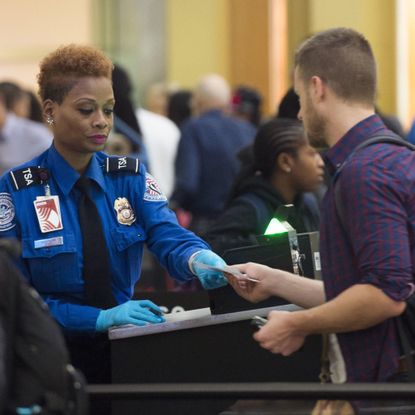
(60,70)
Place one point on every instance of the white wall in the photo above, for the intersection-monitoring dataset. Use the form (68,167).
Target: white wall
(30,29)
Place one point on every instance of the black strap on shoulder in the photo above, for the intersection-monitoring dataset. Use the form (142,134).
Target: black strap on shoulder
(396,140)
(29,176)
(261,210)
(122,165)
(388,139)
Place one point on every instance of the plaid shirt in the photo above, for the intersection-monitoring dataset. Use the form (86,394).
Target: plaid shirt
(377,188)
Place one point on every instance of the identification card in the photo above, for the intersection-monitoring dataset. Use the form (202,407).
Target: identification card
(48,213)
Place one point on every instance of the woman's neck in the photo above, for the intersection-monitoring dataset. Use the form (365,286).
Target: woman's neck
(281,183)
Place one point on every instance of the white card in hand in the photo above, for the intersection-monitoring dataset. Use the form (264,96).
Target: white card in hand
(229,270)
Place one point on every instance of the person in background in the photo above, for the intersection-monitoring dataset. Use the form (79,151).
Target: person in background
(20,139)
(125,121)
(179,107)
(289,105)
(119,144)
(206,162)
(35,108)
(367,259)
(284,166)
(247,105)
(16,99)
(411,134)
(392,122)
(161,137)
(156,98)
(83,217)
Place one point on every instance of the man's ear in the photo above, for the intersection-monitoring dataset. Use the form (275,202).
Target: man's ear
(318,88)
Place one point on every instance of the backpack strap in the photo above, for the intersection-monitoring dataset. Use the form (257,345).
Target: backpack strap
(261,209)
(396,140)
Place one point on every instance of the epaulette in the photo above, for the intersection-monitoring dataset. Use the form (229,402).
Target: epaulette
(29,176)
(122,164)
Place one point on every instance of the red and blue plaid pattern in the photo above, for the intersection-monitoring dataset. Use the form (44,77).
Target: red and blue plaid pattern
(377,188)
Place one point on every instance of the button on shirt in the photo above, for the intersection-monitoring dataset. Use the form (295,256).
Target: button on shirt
(55,271)
(377,188)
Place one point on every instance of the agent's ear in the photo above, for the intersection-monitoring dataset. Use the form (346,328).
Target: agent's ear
(49,107)
(285,162)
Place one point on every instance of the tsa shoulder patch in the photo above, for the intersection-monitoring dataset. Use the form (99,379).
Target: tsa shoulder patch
(153,192)
(7,212)
(29,176)
(122,164)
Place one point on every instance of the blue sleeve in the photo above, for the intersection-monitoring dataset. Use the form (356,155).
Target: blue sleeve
(72,317)
(187,168)
(376,211)
(166,239)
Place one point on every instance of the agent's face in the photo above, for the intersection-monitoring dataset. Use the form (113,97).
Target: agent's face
(83,121)
(307,170)
(314,124)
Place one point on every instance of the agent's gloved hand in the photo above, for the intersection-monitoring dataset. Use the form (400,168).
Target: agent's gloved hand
(209,278)
(138,312)
(29,410)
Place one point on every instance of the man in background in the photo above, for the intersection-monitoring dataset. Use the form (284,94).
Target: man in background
(206,162)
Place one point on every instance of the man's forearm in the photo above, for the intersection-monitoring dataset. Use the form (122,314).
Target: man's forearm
(357,308)
(302,291)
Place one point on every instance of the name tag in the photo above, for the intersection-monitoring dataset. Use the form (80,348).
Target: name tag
(46,243)
(48,213)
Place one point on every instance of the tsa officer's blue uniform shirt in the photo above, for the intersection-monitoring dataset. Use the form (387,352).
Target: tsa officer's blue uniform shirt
(52,261)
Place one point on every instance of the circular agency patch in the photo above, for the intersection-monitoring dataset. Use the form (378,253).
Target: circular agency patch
(7,212)
(153,192)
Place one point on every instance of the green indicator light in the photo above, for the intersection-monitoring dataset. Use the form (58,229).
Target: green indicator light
(275,226)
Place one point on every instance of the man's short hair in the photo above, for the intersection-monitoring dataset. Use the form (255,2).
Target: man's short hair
(343,59)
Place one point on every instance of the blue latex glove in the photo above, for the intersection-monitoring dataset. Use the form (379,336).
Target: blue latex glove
(29,410)
(210,279)
(138,312)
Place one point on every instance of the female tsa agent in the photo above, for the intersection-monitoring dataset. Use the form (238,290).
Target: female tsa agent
(83,216)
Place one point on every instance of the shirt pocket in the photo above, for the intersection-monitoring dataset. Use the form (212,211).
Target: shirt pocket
(129,247)
(126,237)
(53,268)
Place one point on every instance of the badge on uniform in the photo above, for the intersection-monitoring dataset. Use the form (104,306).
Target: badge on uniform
(48,213)
(125,213)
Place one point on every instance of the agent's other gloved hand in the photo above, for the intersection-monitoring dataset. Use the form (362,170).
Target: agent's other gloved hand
(29,410)
(138,312)
(209,278)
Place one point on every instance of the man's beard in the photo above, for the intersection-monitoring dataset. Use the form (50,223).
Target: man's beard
(316,129)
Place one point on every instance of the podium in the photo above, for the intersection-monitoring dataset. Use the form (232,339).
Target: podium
(196,346)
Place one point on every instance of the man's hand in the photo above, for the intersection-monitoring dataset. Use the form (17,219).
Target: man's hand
(280,335)
(251,290)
